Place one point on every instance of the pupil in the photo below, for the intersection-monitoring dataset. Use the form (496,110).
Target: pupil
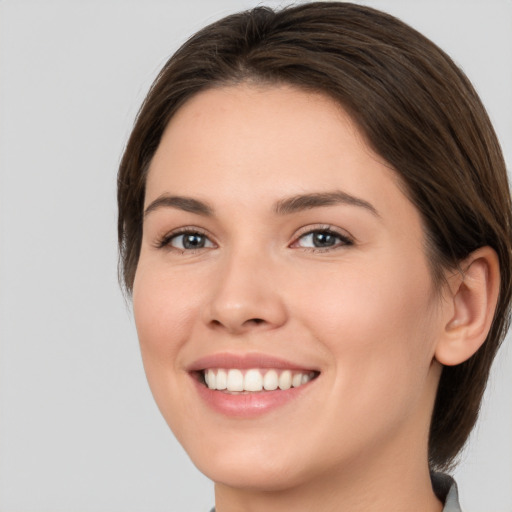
(323,239)
(193,241)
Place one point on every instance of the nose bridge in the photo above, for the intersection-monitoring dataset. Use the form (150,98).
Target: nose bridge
(245,295)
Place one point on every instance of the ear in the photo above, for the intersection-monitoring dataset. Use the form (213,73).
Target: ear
(472,298)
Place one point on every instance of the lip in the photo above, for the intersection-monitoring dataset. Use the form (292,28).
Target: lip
(245,362)
(246,405)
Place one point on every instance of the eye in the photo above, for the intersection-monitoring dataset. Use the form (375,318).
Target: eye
(187,241)
(322,239)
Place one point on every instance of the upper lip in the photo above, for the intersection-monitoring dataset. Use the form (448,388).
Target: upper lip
(245,361)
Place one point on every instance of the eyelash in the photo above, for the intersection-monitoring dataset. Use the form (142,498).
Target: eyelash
(344,240)
(165,241)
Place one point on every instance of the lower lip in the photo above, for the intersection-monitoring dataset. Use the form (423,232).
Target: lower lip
(248,405)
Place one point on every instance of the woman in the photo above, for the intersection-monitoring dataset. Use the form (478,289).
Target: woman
(315,225)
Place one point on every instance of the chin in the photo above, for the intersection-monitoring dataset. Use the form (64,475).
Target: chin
(244,474)
(267,465)
(247,464)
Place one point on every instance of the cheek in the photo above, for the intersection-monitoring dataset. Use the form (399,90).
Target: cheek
(367,299)
(164,310)
(376,322)
(164,307)
(377,329)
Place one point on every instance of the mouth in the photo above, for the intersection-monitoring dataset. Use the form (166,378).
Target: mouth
(254,380)
(249,385)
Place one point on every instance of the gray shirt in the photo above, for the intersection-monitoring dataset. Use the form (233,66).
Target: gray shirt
(446,490)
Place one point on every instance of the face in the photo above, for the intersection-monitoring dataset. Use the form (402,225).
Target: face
(282,264)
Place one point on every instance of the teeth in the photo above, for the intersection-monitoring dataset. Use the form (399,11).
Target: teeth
(297,380)
(255,380)
(211,379)
(285,380)
(221,382)
(235,380)
(271,380)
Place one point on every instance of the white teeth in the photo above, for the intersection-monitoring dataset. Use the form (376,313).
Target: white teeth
(285,380)
(297,380)
(271,380)
(254,380)
(235,380)
(221,381)
(211,379)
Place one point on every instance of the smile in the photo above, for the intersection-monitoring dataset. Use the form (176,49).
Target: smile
(245,386)
(255,380)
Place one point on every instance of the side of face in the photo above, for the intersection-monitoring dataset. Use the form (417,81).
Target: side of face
(274,236)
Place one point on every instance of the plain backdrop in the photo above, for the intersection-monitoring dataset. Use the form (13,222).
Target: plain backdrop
(79,430)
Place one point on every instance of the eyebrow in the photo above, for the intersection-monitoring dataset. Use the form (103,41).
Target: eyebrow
(187,204)
(285,206)
(315,200)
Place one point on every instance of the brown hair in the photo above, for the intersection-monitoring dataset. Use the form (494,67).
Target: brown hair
(417,110)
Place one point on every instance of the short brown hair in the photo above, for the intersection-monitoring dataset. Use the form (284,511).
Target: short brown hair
(417,110)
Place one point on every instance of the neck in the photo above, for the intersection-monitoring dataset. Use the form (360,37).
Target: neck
(374,485)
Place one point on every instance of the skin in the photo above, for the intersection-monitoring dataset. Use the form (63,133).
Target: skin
(364,313)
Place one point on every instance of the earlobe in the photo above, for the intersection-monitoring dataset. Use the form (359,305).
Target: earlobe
(472,301)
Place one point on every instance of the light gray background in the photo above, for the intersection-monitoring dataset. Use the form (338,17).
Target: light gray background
(78,427)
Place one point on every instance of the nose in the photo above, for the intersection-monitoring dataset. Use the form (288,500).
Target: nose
(245,296)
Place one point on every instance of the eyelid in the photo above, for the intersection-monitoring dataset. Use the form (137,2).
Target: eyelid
(164,241)
(346,237)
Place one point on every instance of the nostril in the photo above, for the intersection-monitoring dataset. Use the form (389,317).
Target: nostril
(238,326)
(255,321)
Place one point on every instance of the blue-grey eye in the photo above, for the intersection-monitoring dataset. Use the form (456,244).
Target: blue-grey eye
(322,239)
(190,240)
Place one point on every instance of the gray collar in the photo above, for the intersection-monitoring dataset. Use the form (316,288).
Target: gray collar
(446,490)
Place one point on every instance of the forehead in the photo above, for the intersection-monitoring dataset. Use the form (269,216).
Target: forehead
(280,132)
